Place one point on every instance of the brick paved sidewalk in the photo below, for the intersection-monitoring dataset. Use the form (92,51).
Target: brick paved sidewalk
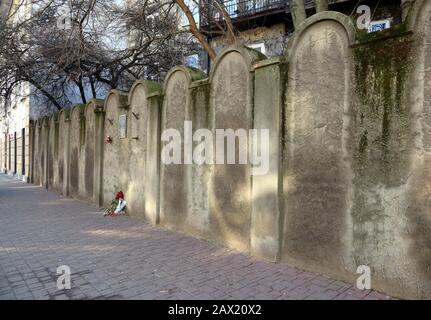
(125,258)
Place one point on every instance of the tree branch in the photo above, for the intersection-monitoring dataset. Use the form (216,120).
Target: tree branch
(195,30)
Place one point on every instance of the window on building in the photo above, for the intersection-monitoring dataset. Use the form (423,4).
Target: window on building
(258,47)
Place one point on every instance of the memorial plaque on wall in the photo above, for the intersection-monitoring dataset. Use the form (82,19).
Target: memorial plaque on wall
(122,126)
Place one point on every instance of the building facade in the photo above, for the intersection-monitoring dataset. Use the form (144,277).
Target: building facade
(15,112)
(267,25)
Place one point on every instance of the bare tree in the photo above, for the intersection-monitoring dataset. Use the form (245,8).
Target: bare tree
(208,9)
(194,29)
(297,8)
(77,49)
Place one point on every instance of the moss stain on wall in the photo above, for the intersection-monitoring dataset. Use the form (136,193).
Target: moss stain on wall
(82,130)
(380,138)
(381,68)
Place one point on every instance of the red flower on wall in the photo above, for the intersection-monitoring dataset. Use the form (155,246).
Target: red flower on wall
(119,195)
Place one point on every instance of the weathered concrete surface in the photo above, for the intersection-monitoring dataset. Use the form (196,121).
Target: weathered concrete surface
(373,207)
(231,102)
(63,150)
(77,152)
(86,168)
(379,147)
(99,141)
(417,220)
(174,197)
(53,154)
(41,141)
(152,161)
(125,258)
(198,197)
(115,154)
(267,218)
(137,138)
(317,177)
(82,149)
(58,173)
(128,154)
(379,140)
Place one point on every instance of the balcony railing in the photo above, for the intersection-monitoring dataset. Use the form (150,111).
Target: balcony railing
(210,12)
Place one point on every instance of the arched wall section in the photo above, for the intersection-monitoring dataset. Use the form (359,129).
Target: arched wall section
(87,153)
(124,156)
(386,148)
(53,145)
(316,174)
(82,149)
(43,152)
(77,147)
(174,197)
(63,153)
(231,107)
(137,121)
(199,174)
(36,156)
(115,152)
(418,203)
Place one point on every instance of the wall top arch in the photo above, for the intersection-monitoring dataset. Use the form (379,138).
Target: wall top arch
(121,98)
(150,88)
(192,74)
(342,19)
(78,108)
(54,117)
(95,104)
(45,121)
(250,56)
(66,113)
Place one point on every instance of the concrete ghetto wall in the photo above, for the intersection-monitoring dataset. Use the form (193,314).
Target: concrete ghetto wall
(316,171)
(349,179)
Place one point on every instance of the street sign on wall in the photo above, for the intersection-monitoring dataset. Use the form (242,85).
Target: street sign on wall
(379,25)
(122,126)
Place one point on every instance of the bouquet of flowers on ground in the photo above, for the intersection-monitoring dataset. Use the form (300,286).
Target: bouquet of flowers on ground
(117,205)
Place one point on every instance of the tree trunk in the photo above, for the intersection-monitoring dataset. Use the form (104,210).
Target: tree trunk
(93,88)
(195,30)
(321,5)
(297,9)
(45,93)
(230,34)
(81,90)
